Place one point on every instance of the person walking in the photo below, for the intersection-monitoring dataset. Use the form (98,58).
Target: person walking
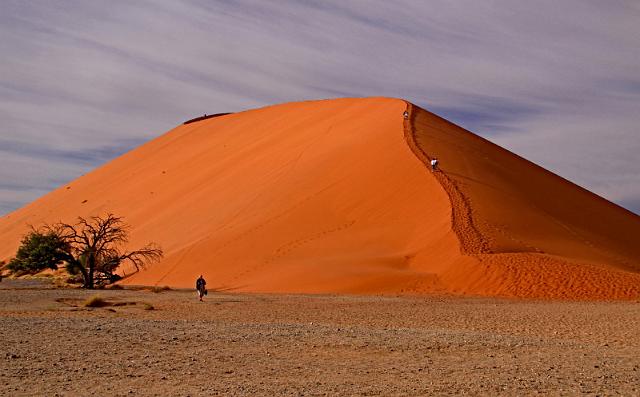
(434,164)
(201,287)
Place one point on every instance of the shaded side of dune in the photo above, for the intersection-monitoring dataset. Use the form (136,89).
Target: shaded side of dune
(205,117)
(525,242)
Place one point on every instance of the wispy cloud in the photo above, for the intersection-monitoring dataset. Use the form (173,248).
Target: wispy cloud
(556,82)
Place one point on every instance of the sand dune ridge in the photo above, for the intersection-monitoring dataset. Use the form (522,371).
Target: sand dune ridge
(336,196)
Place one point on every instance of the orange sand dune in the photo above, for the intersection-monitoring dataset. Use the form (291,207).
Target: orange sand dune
(334,196)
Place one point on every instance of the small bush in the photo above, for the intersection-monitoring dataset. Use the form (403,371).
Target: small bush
(148,306)
(38,250)
(95,301)
(157,289)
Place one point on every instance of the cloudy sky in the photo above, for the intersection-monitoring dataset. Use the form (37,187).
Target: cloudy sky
(81,82)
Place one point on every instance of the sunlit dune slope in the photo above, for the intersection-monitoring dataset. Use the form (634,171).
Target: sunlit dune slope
(312,197)
(334,196)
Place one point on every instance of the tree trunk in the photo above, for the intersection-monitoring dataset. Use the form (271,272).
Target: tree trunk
(92,266)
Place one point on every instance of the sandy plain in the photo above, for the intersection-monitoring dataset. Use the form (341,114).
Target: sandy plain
(267,344)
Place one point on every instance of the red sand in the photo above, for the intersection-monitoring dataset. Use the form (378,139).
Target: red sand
(334,196)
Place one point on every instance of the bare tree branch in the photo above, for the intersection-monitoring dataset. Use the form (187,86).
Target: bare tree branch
(95,246)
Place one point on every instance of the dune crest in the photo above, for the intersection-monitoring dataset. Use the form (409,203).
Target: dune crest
(335,196)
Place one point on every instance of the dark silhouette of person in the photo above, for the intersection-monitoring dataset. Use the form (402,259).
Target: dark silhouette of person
(201,287)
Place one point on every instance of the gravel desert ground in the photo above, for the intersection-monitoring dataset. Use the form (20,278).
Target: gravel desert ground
(268,344)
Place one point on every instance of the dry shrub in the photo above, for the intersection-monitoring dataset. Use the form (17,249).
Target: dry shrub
(95,301)
(157,289)
(148,306)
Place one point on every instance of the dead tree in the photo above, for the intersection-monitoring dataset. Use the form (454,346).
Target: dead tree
(94,248)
